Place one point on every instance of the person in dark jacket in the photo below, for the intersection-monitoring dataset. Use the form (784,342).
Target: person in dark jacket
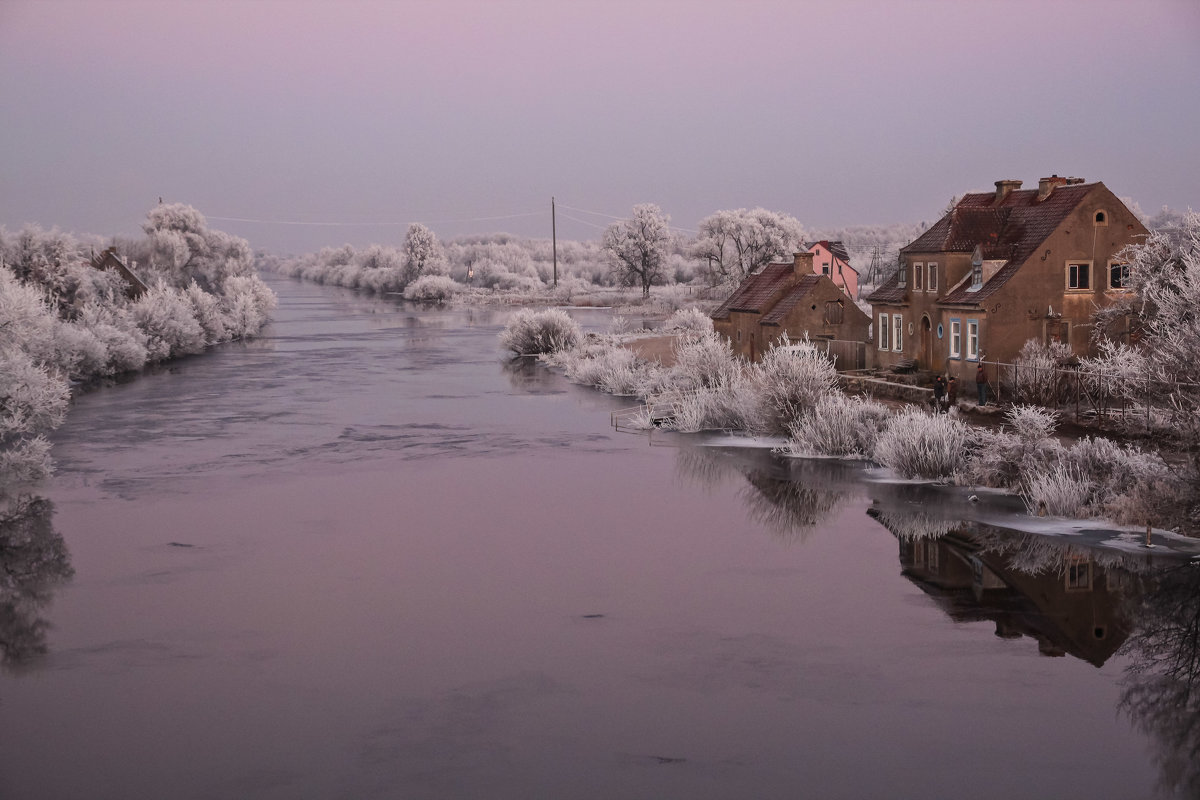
(939,392)
(981,384)
(952,393)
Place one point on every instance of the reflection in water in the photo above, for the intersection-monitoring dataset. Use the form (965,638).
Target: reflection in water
(33,559)
(1080,602)
(1162,684)
(777,498)
(529,376)
(1071,604)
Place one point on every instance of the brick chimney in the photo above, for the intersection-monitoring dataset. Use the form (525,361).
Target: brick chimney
(802,263)
(1004,189)
(1048,185)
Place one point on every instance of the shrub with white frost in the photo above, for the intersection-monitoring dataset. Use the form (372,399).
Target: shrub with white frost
(432,289)
(838,425)
(688,320)
(534,332)
(165,316)
(789,380)
(1060,491)
(705,360)
(1012,456)
(920,445)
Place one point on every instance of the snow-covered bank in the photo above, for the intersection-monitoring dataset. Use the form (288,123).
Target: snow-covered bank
(69,316)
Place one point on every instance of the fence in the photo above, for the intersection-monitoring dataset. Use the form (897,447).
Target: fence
(1103,397)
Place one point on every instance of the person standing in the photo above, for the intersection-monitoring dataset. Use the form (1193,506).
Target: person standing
(952,393)
(939,391)
(981,384)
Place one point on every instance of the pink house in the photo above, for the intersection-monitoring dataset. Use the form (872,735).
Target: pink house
(831,258)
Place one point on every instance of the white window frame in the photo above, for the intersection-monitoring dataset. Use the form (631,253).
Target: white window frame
(955,337)
(897,333)
(972,340)
(918,284)
(1073,275)
(931,277)
(884,331)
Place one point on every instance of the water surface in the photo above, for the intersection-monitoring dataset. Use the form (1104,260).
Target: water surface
(365,556)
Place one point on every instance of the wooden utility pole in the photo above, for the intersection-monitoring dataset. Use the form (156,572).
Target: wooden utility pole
(554,240)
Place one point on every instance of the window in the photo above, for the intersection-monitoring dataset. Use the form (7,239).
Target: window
(1079,573)
(883,331)
(917,270)
(955,338)
(902,276)
(824,267)
(833,312)
(1079,275)
(897,333)
(931,282)
(1101,218)
(1118,275)
(972,340)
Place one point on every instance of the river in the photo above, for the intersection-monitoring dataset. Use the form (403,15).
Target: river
(365,556)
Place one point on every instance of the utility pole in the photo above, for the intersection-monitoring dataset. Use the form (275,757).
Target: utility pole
(554,240)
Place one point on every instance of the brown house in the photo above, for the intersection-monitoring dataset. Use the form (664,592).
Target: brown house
(1002,268)
(788,298)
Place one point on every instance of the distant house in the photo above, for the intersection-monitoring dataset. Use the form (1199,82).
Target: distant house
(109,261)
(788,298)
(1002,268)
(832,259)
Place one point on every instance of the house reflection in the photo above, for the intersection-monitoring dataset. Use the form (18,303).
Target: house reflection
(33,561)
(1070,601)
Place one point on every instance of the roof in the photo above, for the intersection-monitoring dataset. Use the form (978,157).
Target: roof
(791,300)
(1011,230)
(836,247)
(756,291)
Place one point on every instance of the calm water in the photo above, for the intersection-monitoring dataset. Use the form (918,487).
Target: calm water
(363,557)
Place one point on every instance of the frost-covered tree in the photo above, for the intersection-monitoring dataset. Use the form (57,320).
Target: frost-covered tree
(740,242)
(637,247)
(422,253)
(182,248)
(1164,276)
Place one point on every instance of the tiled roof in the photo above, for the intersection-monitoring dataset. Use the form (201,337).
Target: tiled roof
(756,290)
(1011,230)
(792,299)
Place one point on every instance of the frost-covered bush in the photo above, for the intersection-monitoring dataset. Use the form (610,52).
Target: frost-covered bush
(165,316)
(720,407)
(920,445)
(705,360)
(611,368)
(532,332)
(33,401)
(838,425)
(1023,449)
(688,320)
(1037,373)
(1060,491)
(124,343)
(789,380)
(432,289)
(1127,484)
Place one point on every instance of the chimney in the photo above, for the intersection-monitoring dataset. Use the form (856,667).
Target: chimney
(1047,185)
(1004,189)
(802,264)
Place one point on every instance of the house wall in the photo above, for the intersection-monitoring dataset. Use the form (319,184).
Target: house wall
(744,333)
(1036,303)
(808,318)
(839,272)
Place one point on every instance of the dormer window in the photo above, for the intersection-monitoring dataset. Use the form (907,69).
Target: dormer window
(977,268)
(902,276)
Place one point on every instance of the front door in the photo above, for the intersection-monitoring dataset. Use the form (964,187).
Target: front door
(926,343)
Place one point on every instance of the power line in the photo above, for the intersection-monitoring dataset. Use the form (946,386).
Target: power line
(372,224)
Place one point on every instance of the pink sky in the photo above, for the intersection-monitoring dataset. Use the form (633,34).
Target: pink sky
(450,112)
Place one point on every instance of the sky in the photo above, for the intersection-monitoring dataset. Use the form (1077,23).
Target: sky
(303,124)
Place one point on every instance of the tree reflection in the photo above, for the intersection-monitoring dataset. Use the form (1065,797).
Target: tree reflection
(33,560)
(1162,684)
